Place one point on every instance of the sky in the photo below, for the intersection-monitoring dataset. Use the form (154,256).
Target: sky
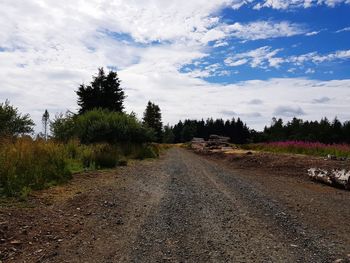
(195,59)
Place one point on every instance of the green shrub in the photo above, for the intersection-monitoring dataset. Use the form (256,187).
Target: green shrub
(105,156)
(63,127)
(123,161)
(147,151)
(111,127)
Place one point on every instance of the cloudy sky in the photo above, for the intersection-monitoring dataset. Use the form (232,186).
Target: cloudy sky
(196,59)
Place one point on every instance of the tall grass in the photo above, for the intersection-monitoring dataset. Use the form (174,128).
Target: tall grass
(301,147)
(27,164)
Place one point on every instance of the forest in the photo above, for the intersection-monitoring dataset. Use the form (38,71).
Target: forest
(323,131)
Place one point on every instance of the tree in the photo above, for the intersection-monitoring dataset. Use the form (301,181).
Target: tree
(168,134)
(13,123)
(45,120)
(63,126)
(152,118)
(103,92)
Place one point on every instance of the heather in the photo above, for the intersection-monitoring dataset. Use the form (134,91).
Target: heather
(302,147)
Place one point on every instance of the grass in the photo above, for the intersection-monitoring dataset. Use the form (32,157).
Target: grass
(300,147)
(27,164)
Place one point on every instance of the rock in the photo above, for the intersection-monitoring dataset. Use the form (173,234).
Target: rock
(331,157)
(15,242)
(120,221)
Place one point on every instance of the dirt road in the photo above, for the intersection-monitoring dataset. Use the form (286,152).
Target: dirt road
(181,208)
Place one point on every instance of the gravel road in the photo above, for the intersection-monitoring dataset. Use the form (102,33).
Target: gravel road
(186,208)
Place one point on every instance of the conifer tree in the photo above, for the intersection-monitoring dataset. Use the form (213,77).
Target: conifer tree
(152,118)
(103,92)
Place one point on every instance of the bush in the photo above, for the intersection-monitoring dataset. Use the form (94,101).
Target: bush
(148,151)
(111,127)
(63,127)
(105,156)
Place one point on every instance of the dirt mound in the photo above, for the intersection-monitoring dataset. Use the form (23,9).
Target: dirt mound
(287,164)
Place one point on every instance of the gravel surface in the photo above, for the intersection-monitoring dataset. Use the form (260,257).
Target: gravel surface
(187,208)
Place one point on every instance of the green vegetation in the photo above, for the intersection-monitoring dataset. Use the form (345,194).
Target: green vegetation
(103,92)
(185,131)
(28,164)
(152,118)
(13,123)
(300,147)
(100,136)
(324,131)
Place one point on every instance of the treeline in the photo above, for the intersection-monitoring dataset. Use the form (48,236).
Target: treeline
(324,131)
(185,131)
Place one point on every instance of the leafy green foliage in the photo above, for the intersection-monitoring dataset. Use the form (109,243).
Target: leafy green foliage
(103,92)
(168,134)
(63,127)
(112,127)
(100,125)
(13,123)
(152,118)
(148,151)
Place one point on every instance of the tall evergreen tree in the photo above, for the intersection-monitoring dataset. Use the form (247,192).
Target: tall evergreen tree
(168,134)
(152,118)
(103,92)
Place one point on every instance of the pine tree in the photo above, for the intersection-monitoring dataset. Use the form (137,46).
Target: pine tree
(152,118)
(103,92)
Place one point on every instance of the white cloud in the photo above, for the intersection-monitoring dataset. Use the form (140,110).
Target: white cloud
(263,30)
(209,71)
(199,99)
(265,57)
(220,43)
(310,71)
(313,33)
(345,29)
(262,57)
(231,61)
(316,58)
(288,4)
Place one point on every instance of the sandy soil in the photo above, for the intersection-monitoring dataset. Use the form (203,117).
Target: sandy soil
(182,208)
